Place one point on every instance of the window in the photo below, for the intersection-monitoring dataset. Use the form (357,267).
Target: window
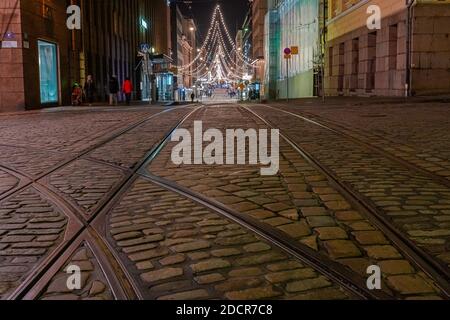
(371,62)
(393,43)
(330,61)
(354,85)
(341,67)
(48,72)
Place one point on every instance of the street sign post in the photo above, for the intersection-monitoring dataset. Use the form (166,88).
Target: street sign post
(287,57)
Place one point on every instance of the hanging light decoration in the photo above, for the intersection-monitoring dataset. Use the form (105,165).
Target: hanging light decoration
(214,58)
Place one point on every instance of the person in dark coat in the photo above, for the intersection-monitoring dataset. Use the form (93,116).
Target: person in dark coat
(89,90)
(114,89)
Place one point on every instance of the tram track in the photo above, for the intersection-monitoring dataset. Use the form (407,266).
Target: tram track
(419,257)
(75,215)
(336,272)
(92,226)
(332,270)
(83,153)
(338,129)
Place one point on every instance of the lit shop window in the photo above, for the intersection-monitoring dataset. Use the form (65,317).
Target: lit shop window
(48,72)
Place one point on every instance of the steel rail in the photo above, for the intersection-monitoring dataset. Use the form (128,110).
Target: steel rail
(420,258)
(32,280)
(368,145)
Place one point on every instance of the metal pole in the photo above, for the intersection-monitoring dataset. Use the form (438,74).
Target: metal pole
(287,80)
(324,48)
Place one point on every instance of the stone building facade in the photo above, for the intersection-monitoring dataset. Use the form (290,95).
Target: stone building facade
(259,11)
(184,50)
(113,33)
(409,55)
(289,24)
(30,27)
(40,58)
(189,51)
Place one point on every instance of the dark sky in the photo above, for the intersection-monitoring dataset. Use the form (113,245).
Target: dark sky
(234,12)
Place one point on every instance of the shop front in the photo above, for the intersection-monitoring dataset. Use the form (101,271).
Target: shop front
(164,81)
(164,85)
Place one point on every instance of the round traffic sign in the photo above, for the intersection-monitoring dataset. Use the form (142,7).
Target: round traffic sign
(287,51)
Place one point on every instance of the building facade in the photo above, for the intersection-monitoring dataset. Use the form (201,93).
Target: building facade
(408,55)
(189,51)
(288,24)
(40,58)
(114,32)
(247,43)
(259,11)
(35,54)
(184,50)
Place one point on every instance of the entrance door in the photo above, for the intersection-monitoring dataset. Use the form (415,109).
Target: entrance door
(48,72)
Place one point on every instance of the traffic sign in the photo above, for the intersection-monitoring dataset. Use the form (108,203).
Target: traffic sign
(294,50)
(144,47)
(287,51)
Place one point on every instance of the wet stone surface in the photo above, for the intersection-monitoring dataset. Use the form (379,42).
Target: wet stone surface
(418,205)
(298,201)
(30,229)
(94,285)
(176,249)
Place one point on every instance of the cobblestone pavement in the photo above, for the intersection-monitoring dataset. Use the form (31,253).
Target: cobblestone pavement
(401,129)
(300,202)
(76,190)
(416,203)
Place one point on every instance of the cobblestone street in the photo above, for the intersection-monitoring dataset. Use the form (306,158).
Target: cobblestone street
(358,185)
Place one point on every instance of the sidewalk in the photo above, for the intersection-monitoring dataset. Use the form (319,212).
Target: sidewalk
(100,106)
(356,101)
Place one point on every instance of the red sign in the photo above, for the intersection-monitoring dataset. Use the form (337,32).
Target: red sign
(287,51)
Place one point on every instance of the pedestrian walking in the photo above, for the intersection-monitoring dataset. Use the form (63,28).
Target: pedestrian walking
(127,89)
(113,90)
(89,89)
(192,97)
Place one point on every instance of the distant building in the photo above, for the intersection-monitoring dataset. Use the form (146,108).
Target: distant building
(409,55)
(259,11)
(239,45)
(247,43)
(184,50)
(189,52)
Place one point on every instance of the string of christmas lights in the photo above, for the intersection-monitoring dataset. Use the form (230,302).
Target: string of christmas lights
(215,45)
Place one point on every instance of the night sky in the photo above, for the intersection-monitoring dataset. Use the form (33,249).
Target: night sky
(234,12)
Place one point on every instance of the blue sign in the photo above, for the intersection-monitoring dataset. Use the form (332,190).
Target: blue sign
(145,47)
(9,35)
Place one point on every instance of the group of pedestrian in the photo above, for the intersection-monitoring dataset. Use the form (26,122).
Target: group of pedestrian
(231,93)
(88,92)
